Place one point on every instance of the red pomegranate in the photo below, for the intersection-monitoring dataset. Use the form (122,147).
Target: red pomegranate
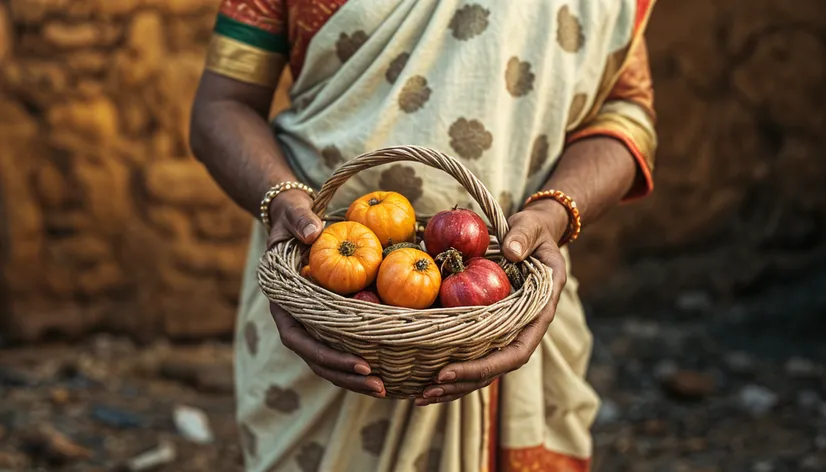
(367,296)
(479,282)
(460,229)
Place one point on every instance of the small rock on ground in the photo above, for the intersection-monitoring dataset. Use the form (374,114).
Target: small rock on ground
(757,400)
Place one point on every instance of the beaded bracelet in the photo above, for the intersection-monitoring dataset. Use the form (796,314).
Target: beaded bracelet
(274,192)
(574,218)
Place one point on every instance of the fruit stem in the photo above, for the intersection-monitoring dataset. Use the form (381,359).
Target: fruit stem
(373,202)
(515,276)
(392,247)
(452,261)
(347,248)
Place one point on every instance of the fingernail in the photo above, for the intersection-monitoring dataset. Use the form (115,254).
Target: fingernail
(362,369)
(377,387)
(447,376)
(309,230)
(516,247)
(434,392)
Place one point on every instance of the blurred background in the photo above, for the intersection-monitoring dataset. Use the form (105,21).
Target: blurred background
(120,259)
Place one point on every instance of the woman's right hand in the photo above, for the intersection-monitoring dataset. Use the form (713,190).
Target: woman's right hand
(291,215)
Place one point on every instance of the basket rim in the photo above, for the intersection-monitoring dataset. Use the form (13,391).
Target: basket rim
(349,317)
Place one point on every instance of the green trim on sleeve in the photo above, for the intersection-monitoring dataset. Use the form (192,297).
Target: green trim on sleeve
(251,36)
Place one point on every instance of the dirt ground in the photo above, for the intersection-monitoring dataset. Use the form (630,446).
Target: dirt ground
(697,388)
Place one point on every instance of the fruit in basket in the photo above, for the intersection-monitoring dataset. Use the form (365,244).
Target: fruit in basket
(345,258)
(477,282)
(409,278)
(305,272)
(393,247)
(460,229)
(388,214)
(367,296)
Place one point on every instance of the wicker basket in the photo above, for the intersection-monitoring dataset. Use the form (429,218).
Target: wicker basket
(404,347)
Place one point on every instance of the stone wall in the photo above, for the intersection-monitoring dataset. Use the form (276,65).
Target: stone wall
(106,222)
(109,224)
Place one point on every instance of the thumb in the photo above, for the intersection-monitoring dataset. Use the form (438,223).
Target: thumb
(302,222)
(522,239)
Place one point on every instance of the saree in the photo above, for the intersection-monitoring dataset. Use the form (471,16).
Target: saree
(502,86)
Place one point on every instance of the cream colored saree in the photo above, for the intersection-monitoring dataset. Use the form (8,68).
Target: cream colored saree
(502,85)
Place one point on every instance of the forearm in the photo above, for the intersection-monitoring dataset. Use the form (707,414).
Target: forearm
(596,172)
(237,146)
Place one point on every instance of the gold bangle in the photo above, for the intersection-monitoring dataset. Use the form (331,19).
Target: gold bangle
(574,218)
(274,192)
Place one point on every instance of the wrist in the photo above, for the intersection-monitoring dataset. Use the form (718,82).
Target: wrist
(287,199)
(270,211)
(552,214)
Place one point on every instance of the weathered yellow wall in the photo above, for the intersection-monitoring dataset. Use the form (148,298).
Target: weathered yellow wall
(107,222)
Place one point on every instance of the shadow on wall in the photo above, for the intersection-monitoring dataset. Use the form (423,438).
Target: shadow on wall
(112,225)
(739,202)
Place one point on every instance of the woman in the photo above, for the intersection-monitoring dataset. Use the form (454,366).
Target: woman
(530,95)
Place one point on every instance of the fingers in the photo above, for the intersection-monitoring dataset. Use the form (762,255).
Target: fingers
(296,338)
(292,216)
(507,359)
(343,370)
(449,392)
(548,254)
(442,399)
(367,385)
(522,239)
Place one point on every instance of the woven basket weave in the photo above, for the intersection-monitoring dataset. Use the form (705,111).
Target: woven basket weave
(404,347)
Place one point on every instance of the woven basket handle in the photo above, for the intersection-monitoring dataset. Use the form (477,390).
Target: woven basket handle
(421,155)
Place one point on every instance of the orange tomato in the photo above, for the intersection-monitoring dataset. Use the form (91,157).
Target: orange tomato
(389,214)
(409,278)
(345,258)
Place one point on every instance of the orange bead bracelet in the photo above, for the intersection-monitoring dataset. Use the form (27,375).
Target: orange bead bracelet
(574,218)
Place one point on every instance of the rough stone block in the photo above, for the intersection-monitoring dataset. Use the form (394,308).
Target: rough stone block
(209,259)
(182,182)
(88,62)
(81,250)
(107,192)
(169,221)
(74,35)
(98,279)
(180,7)
(117,8)
(227,224)
(32,11)
(51,186)
(145,49)
(39,81)
(97,118)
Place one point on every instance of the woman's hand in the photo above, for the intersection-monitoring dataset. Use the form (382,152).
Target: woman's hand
(292,216)
(534,231)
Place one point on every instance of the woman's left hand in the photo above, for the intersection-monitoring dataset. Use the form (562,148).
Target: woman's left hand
(534,231)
